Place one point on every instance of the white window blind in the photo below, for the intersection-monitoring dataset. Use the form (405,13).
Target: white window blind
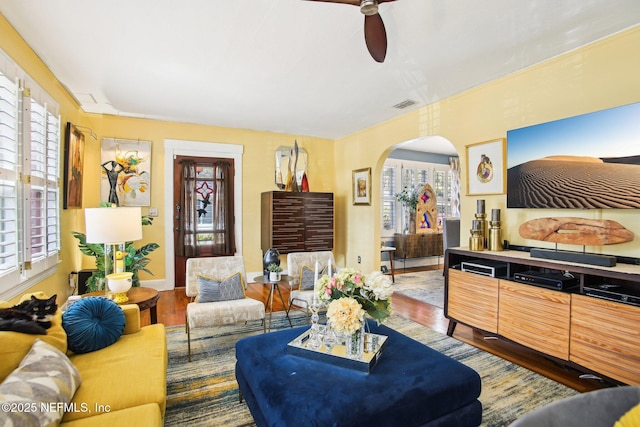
(388,198)
(29,177)
(399,174)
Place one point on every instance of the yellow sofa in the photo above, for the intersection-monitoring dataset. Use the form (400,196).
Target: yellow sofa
(122,384)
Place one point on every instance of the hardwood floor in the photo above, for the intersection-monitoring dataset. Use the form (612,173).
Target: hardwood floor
(172,305)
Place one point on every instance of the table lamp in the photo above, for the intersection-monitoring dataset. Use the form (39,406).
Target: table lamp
(113,227)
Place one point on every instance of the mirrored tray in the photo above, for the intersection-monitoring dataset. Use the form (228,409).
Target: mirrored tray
(374,345)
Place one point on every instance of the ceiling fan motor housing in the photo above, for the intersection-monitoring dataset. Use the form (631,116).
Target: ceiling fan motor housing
(369,7)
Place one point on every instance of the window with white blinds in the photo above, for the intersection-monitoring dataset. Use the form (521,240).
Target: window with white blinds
(400,174)
(29,176)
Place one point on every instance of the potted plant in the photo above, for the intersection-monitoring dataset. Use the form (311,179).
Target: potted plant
(409,200)
(134,259)
(274,272)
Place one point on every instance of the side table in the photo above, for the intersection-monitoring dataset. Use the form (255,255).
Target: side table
(390,250)
(145,298)
(284,279)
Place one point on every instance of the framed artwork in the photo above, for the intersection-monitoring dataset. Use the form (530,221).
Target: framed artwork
(73,167)
(362,186)
(486,167)
(125,174)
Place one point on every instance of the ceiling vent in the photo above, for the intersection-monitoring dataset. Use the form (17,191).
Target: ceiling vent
(405,104)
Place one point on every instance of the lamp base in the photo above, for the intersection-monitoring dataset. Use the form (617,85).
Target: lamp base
(120,298)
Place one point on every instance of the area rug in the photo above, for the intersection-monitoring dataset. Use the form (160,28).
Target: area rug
(425,286)
(204,392)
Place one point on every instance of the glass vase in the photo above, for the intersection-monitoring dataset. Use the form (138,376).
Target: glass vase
(354,344)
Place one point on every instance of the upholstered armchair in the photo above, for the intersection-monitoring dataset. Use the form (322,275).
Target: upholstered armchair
(302,287)
(216,286)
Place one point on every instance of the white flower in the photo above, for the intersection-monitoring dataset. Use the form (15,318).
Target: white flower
(345,314)
(379,284)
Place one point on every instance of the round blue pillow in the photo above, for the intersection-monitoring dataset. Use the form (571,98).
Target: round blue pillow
(92,323)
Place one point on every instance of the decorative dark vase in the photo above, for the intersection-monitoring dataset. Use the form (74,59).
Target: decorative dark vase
(271,256)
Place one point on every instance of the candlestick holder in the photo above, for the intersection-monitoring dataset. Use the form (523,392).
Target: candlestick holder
(482,228)
(314,334)
(494,241)
(476,240)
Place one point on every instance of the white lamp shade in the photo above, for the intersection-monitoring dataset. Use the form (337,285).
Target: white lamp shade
(113,225)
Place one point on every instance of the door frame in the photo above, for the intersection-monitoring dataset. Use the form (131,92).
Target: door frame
(177,147)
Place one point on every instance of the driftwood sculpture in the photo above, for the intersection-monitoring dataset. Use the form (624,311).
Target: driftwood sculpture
(576,231)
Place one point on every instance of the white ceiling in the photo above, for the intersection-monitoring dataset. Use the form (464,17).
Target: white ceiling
(294,66)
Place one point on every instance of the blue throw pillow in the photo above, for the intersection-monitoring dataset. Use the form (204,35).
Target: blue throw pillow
(93,323)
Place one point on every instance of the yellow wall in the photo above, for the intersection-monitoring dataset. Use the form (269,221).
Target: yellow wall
(17,49)
(258,165)
(258,173)
(596,77)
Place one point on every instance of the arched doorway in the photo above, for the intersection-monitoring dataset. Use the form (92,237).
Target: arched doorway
(408,166)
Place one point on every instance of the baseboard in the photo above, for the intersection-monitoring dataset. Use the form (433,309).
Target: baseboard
(158,285)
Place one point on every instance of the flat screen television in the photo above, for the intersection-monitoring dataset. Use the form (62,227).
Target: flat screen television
(591,161)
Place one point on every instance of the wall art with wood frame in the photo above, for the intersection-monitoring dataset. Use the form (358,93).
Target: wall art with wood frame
(486,167)
(73,167)
(361,187)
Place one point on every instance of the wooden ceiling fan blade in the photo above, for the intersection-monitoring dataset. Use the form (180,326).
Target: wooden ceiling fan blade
(375,36)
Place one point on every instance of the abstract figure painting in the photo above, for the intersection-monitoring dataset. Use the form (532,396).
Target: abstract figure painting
(125,172)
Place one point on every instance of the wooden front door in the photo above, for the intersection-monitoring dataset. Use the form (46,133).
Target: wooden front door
(208,229)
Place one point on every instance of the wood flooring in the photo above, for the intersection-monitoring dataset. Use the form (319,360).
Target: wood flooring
(172,305)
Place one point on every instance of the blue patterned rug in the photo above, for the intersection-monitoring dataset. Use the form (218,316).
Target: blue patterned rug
(204,392)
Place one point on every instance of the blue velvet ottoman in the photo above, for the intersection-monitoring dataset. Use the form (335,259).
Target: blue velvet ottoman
(412,385)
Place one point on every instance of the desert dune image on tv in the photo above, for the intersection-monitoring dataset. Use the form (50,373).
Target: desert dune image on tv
(590,161)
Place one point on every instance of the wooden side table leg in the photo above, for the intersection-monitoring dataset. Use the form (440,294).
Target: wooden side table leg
(153,314)
(393,277)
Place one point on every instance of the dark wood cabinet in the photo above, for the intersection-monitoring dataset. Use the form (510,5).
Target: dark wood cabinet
(417,245)
(297,222)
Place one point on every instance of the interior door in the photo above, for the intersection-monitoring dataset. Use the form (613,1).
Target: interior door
(208,234)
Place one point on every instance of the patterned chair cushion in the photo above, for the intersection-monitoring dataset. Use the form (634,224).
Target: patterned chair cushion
(224,312)
(45,376)
(307,282)
(211,290)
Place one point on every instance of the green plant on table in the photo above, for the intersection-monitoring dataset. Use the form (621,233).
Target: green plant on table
(274,268)
(134,259)
(408,198)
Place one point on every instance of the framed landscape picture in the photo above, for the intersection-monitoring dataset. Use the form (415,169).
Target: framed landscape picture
(362,186)
(486,167)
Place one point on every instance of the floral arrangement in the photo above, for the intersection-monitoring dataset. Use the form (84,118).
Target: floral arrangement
(353,294)
(409,198)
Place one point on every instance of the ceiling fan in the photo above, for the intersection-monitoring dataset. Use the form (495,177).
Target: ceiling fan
(375,35)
